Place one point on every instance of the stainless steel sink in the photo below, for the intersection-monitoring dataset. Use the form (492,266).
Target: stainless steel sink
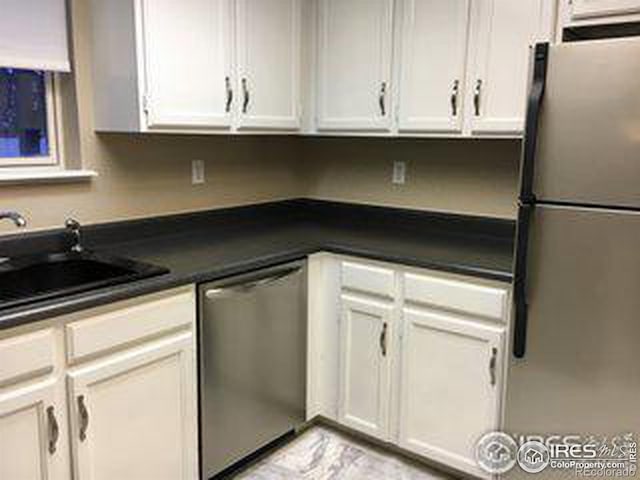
(29,279)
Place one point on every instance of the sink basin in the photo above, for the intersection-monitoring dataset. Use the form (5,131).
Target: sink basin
(34,278)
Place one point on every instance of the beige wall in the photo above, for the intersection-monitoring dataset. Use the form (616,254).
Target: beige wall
(477,177)
(144,175)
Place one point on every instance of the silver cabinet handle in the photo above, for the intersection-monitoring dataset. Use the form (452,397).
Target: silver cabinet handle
(383,339)
(493,364)
(454,98)
(477,94)
(53,430)
(227,83)
(247,96)
(84,418)
(383,99)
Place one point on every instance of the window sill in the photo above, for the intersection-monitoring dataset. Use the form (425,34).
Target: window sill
(45,176)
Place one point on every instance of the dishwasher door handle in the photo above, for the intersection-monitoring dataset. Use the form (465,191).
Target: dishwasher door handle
(248,286)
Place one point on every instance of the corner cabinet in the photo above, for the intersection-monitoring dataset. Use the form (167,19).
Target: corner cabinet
(109,388)
(355,42)
(421,356)
(196,66)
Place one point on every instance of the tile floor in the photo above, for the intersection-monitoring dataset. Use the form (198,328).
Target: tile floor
(323,454)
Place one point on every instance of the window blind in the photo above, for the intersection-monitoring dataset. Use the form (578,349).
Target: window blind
(33,35)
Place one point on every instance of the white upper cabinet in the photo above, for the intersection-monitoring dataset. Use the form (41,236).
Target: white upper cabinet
(196,66)
(587,9)
(268,66)
(187,51)
(355,42)
(363,67)
(432,65)
(503,32)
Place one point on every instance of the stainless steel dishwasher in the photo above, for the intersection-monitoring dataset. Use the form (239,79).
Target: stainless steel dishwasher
(253,342)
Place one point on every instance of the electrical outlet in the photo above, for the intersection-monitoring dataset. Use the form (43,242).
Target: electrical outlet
(197,172)
(399,173)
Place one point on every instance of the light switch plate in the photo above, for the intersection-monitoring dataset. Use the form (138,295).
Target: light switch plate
(399,173)
(197,172)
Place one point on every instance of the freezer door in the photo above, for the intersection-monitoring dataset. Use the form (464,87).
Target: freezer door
(581,373)
(588,149)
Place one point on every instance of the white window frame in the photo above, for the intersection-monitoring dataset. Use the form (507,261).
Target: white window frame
(53,161)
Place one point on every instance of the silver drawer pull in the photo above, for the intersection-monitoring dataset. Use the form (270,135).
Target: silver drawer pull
(247,96)
(477,97)
(383,340)
(84,418)
(493,363)
(383,99)
(227,82)
(454,98)
(53,430)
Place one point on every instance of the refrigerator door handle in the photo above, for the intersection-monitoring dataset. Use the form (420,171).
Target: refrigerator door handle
(525,212)
(534,105)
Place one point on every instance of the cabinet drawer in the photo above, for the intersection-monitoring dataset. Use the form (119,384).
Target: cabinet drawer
(122,324)
(448,294)
(26,356)
(368,279)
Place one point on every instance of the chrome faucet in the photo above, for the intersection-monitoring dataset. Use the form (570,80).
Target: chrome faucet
(73,226)
(15,217)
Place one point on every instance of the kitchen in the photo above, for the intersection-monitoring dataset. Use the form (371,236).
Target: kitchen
(249,221)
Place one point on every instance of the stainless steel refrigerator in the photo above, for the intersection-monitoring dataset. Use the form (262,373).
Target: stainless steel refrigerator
(576,345)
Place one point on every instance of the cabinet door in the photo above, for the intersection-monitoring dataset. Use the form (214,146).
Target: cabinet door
(504,31)
(269,50)
(134,415)
(450,386)
(187,51)
(603,8)
(354,65)
(33,434)
(434,53)
(364,365)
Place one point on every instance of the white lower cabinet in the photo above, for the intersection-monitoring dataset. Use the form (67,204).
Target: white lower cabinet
(134,414)
(130,393)
(420,354)
(365,367)
(450,386)
(32,424)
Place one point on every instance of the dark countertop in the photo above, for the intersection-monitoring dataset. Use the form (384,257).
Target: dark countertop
(211,245)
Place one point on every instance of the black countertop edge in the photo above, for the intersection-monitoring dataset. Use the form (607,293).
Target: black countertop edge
(240,222)
(65,305)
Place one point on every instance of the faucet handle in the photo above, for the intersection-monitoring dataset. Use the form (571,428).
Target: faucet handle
(72,224)
(74,227)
